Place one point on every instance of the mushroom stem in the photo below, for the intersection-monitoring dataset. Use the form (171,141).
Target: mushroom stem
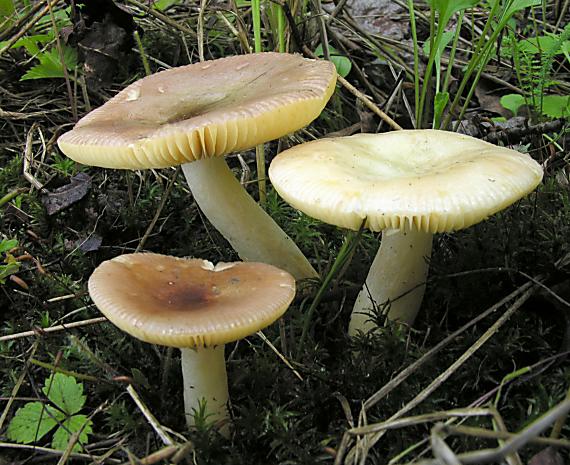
(248,228)
(398,274)
(204,376)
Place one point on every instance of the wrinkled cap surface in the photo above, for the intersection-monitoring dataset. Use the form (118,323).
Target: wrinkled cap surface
(189,302)
(202,110)
(429,180)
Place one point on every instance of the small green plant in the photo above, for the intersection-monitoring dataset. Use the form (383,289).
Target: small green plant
(36,419)
(66,166)
(42,47)
(533,59)
(443,106)
(201,416)
(342,64)
(8,263)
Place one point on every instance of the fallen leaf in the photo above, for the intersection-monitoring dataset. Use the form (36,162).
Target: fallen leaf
(548,456)
(67,195)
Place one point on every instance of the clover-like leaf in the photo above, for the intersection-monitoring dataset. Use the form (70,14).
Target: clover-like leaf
(74,424)
(65,392)
(32,422)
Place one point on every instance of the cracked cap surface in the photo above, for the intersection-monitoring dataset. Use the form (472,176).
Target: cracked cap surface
(202,110)
(189,302)
(429,180)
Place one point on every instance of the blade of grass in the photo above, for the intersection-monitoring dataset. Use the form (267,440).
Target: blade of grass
(344,256)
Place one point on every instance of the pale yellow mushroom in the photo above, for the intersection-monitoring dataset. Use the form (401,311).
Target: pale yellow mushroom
(409,184)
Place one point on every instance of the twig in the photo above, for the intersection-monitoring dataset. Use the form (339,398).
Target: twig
(162,17)
(47,450)
(53,329)
(162,454)
(437,382)
(279,354)
(489,434)
(514,443)
(347,85)
(514,135)
(156,426)
(404,374)
(158,210)
(526,290)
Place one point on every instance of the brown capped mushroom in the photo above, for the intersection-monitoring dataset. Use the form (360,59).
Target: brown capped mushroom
(195,114)
(195,306)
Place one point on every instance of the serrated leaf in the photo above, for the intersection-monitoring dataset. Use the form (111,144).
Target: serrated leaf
(30,43)
(8,244)
(50,65)
(512,102)
(65,392)
(32,422)
(70,426)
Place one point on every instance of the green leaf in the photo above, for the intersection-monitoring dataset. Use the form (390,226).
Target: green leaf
(518,5)
(7,270)
(439,103)
(6,8)
(65,392)
(342,64)
(31,43)
(512,102)
(7,12)
(8,244)
(565,47)
(446,8)
(556,106)
(162,5)
(68,427)
(548,44)
(50,65)
(32,422)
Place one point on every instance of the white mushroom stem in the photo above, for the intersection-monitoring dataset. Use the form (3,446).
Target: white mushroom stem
(205,379)
(397,276)
(248,228)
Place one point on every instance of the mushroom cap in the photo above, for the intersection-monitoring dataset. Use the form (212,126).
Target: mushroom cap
(428,180)
(202,110)
(189,302)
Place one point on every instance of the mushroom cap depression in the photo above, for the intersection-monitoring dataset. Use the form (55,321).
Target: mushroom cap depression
(432,181)
(202,110)
(189,302)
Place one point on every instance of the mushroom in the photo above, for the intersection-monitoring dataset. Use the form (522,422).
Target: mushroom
(193,116)
(195,306)
(409,184)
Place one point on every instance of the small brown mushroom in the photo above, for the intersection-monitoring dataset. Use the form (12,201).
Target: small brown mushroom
(195,306)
